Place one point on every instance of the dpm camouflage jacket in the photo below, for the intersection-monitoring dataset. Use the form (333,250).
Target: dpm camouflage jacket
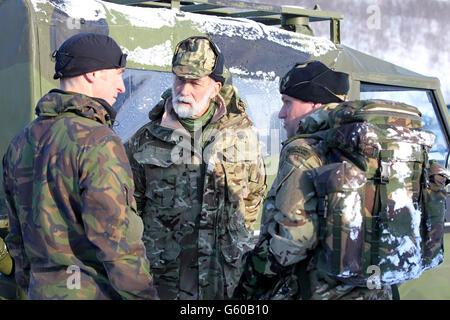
(74,231)
(283,260)
(199,196)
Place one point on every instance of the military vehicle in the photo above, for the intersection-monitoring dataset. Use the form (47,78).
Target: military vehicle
(260,42)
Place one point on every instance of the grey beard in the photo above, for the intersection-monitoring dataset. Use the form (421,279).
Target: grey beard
(195,108)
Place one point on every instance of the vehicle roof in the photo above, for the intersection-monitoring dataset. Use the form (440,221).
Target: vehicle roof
(129,25)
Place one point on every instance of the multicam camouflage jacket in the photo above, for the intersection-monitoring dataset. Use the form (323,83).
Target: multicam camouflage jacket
(74,231)
(199,197)
(284,261)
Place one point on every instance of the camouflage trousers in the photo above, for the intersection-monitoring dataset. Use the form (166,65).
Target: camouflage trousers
(324,288)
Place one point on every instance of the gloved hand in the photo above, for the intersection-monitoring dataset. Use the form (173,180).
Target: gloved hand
(6,263)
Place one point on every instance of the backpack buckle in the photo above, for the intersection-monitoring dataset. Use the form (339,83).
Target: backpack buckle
(385,172)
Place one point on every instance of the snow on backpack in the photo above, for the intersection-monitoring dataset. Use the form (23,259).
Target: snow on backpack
(381,201)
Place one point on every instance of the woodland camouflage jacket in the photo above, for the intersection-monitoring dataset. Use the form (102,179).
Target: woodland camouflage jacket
(70,199)
(283,260)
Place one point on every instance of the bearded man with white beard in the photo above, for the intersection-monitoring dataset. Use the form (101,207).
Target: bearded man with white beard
(199,178)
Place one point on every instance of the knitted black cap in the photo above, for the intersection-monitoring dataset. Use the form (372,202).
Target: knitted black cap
(87,52)
(314,82)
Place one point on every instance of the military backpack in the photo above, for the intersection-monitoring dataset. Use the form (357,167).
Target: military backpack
(380,200)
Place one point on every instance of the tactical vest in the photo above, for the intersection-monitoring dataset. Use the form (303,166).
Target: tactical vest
(380,200)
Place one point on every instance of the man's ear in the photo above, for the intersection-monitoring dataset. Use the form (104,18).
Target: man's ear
(217,87)
(90,76)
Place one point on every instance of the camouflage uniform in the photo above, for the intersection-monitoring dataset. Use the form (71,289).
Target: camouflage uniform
(198,213)
(70,199)
(283,261)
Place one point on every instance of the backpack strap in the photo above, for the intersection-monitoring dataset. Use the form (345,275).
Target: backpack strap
(395,292)
(381,201)
(322,203)
(303,282)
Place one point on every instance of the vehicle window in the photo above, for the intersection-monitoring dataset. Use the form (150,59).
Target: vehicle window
(264,103)
(144,89)
(422,99)
(143,92)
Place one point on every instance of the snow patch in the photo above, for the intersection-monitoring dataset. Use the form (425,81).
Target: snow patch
(87,9)
(143,17)
(408,247)
(401,171)
(36,4)
(93,10)
(407,250)
(352,213)
(404,151)
(160,55)
(270,76)
(250,30)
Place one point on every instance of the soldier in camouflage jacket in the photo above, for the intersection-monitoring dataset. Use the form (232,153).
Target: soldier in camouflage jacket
(282,264)
(198,189)
(74,231)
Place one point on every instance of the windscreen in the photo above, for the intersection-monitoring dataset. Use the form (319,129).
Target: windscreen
(144,89)
(419,98)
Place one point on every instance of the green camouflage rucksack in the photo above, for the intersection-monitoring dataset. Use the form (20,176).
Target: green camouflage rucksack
(381,201)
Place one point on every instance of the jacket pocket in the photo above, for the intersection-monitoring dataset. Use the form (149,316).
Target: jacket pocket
(135,228)
(340,191)
(434,206)
(161,193)
(231,254)
(169,187)
(236,175)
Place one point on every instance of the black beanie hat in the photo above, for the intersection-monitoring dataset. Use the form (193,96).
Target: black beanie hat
(314,82)
(87,52)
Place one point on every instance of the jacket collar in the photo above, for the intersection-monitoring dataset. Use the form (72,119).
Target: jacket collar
(58,101)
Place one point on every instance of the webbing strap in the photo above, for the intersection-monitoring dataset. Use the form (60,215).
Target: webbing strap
(322,213)
(337,221)
(381,199)
(304,284)
(395,292)
(322,209)
(424,184)
(374,244)
(416,176)
(379,208)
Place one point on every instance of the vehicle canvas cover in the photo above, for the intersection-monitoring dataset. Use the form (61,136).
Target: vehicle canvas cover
(149,36)
(381,202)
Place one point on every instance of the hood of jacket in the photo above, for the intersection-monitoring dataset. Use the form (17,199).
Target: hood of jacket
(57,102)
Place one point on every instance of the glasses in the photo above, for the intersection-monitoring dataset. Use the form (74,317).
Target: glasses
(213,46)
